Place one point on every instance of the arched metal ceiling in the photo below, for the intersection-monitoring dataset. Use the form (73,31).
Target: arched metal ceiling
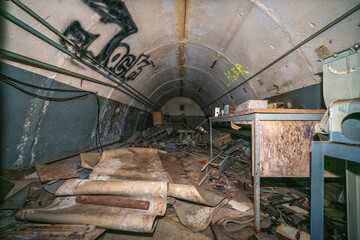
(176,47)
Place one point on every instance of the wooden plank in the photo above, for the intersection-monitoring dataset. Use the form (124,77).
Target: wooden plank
(314,111)
(284,111)
(285,148)
(157,118)
(52,231)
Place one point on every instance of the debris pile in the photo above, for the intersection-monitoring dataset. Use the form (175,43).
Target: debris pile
(165,170)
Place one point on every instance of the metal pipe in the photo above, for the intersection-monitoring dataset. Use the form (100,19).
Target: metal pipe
(209,162)
(62,36)
(323,29)
(113,201)
(33,62)
(31,30)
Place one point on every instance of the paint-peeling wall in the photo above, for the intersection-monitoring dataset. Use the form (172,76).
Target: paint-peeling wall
(34,130)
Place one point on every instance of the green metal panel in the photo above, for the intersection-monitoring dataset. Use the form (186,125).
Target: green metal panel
(341,76)
(33,130)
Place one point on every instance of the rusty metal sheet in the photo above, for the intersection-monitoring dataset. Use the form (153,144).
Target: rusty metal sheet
(47,231)
(130,164)
(48,172)
(285,148)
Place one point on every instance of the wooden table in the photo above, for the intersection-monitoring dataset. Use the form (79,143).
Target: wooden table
(281,143)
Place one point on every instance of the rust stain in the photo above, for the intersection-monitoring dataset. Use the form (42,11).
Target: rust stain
(182,20)
(286,148)
(112,201)
(48,172)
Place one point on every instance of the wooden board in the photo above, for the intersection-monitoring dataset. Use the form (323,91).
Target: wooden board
(157,118)
(51,231)
(284,111)
(285,148)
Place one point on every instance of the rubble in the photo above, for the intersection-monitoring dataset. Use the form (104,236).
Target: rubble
(160,174)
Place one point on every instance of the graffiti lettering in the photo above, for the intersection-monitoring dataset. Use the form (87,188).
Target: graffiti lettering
(79,36)
(233,75)
(115,55)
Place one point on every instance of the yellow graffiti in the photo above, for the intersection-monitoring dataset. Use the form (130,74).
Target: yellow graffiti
(233,73)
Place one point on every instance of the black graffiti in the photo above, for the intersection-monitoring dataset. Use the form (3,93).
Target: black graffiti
(79,36)
(115,55)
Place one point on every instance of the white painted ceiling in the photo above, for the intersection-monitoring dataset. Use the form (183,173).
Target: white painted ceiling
(191,44)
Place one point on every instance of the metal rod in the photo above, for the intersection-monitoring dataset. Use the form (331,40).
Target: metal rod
(31,30)
(256,169)
(33,62)
(209,162)
(323,29)
(62,36)
(211,139)
(113,201)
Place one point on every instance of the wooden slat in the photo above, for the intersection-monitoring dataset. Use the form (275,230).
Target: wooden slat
(52,231)
(282,111)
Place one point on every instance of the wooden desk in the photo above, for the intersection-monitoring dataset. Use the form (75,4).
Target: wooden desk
(281,143)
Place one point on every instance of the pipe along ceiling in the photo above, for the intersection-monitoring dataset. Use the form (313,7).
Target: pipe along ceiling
(144,53)
(212,52)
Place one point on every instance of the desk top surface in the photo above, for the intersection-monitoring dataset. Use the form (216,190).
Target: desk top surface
(274,111)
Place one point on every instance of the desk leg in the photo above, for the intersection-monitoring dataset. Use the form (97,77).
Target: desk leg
(256,166)
(211,147)
(353,199)
(317,191)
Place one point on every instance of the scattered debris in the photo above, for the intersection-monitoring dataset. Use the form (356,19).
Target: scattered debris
(128,186)
(290,232)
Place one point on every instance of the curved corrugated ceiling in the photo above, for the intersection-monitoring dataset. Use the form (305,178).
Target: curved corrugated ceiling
(186,48)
